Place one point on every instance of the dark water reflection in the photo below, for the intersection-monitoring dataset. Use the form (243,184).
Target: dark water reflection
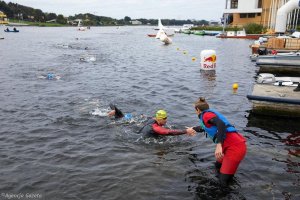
(52,144)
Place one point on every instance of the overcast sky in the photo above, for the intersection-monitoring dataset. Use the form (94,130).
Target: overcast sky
(149,9)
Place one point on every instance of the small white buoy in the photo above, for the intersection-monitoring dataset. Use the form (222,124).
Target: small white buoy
(208,59)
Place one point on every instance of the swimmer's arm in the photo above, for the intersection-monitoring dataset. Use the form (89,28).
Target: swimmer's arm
(167,132)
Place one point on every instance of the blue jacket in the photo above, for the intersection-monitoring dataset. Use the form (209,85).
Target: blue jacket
(213,130)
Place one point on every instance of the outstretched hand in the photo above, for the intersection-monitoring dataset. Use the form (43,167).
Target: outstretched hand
(219,152)
(190,131)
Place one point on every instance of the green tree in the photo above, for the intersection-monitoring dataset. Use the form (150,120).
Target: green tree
(39,15)
(61,20)
(51,16)
(127,20)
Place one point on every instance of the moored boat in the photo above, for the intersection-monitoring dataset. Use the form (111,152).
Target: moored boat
(239,35)
(249,37)
(282,59)
(199,33)
(151,35)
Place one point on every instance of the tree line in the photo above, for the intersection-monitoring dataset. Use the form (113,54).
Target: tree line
(20,12)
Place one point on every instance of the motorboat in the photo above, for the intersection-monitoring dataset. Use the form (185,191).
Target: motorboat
(254,57)
(280,59)
(278,96)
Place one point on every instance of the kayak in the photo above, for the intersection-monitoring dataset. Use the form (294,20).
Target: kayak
(16,31)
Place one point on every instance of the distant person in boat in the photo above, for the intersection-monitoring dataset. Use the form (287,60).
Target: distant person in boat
(7,29)
(15,29)
(155,127)
(230,145)
(117,113)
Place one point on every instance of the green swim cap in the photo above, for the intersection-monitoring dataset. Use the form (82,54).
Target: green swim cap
(161,114)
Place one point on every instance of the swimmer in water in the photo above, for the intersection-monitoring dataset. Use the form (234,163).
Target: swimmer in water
(117,113)
(50,76)
(155,127)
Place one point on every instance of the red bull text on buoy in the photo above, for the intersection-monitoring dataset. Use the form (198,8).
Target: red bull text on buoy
(208,59)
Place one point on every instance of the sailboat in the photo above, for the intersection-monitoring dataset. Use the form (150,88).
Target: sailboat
(81,28)
(161,34)
(168,31)
(164,38)
(161,28)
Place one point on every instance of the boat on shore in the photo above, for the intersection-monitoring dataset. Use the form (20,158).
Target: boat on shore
(276,96)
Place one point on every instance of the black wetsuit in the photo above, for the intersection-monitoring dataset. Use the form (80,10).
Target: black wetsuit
(153,129)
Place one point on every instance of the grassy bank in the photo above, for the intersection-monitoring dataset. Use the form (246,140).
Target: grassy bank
(41,24)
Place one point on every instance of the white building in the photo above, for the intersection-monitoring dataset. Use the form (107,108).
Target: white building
(263,12)
(136,22)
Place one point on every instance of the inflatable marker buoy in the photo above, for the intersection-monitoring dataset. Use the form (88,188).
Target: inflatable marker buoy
(184,52)
(177,49)
(208,60)
(193,59)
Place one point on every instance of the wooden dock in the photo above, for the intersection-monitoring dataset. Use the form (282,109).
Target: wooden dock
(275,100)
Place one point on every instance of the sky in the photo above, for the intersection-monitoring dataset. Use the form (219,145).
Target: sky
(149,9)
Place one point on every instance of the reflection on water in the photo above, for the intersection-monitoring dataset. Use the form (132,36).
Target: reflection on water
(281,138)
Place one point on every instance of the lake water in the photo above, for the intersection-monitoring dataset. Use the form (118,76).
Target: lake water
(55,142)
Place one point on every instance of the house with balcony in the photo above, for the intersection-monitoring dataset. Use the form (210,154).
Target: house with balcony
(263,12)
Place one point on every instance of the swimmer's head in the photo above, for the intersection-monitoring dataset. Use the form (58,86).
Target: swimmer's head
(161,114)
(161,117)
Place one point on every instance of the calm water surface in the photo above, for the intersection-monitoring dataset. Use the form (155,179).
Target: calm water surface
(54,141)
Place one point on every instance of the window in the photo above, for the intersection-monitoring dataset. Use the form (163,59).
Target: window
(234,4)
(251,15)
(243,15)
(248,15)
(259,5)
(258,14)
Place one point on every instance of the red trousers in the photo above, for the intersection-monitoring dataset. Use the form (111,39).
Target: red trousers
(233,155)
